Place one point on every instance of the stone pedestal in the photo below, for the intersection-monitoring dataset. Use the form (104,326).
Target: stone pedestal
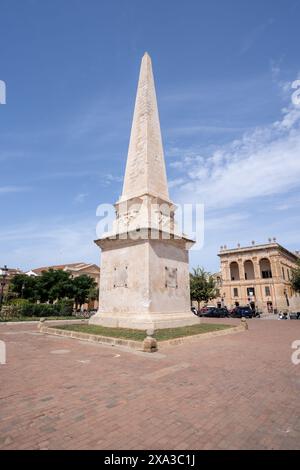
(144,284)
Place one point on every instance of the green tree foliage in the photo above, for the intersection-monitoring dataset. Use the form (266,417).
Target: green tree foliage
(295,281)
(84,289)
(25,287)
(203,286)
(53,285)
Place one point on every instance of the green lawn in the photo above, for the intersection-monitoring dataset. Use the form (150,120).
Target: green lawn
(36,318)
(139,335)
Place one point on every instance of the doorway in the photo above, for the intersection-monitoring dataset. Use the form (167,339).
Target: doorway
(270,307)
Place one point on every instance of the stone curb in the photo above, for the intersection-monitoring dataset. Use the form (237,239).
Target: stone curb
(93,338)
(188,339)
(138,345)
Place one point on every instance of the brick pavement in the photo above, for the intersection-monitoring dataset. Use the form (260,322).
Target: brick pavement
(238,391)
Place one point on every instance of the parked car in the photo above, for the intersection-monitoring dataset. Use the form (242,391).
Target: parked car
(295,316)
(215,313)
(206,309)
(239,312)
(283,316)
(221,312)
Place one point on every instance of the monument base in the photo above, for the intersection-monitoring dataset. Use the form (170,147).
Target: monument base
(144,321)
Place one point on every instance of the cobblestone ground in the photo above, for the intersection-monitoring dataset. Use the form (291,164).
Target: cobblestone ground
(239,391)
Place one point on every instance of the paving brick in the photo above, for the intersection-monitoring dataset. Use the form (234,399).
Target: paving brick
(229,392)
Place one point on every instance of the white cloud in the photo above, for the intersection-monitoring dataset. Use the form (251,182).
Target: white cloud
(262,163)
(227,221)
(113,178)
(80,198)
(13,189)
(175,182)
(195,130)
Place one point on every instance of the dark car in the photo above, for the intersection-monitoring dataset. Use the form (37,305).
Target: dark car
(295,316)
(215,313)
(239,312)
(205,310)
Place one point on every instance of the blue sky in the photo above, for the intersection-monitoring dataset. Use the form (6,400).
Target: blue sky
(231,133)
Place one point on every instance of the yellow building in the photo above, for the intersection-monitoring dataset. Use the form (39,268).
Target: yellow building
(258,275)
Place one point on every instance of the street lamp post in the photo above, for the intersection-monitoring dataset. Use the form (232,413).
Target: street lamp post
(3,276)
(286,297)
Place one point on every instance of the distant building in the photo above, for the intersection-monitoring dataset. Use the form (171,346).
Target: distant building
(75,269)
(11,272)
(258,275)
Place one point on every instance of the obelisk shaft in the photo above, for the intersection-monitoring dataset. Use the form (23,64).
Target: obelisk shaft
(145,170)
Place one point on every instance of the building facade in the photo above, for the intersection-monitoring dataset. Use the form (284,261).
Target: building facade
(11,272)
(75,269)
(259,276)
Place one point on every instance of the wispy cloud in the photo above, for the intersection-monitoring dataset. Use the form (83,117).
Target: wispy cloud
(175,182)
(201,129)
(103,178)
(80,198)
(254,36)
(13,189)
(262,163)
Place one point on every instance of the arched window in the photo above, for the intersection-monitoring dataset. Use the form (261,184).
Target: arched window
(249,270)
(265,268)
(234,271)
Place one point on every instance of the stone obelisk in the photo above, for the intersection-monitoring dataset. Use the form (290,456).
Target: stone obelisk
(144,261)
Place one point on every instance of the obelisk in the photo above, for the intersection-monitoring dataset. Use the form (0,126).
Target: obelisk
(144,261)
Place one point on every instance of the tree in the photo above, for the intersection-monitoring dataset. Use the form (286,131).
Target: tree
(24,286)
(202,285)
(93,293)
(295,281)
(83,288)
(54,284)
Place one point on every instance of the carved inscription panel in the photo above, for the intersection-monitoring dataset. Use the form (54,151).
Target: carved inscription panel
(171,277)
(121,276)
